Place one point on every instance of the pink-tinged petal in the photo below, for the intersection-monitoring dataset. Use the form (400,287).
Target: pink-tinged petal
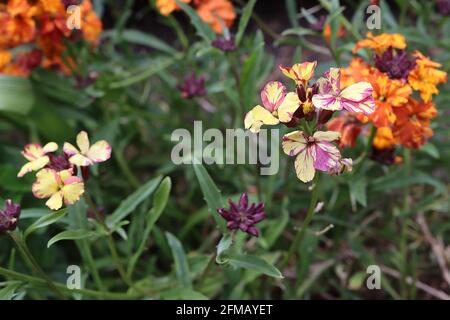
(80,160)
(99,152)
(326,102)
(300,72)
(33,166)
(294,143)
(326,136)
(72,180)
(304,164)
(327,156)
(290,104)
(330,83)
(357,92)
(47,183)
(366,106)
(33,151)
(272,95)
(69,149)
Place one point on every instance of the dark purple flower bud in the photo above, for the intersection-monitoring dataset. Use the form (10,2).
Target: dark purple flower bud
(443,7)
(85,81)
(68,3)
(225,44)
(301,92)
(242,216)
(324,116)
(396,63)
(383,156)
(59,163)
(9,216)
(192,86)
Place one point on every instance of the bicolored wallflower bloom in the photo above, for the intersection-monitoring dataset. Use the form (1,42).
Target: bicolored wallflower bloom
(60,187)
(87,155)
(355,98)
(381,42)
(279,106)
(242,216)
(316,152)
(37,156)
(301,73)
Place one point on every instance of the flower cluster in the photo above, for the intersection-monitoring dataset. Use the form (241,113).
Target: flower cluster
(404,84)
(33,34)
(56,176)
(216,13)
(310,107)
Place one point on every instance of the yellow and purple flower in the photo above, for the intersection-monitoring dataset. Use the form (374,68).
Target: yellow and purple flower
(242,216)
(279,106)
(9,216)
(87,155)
(37,156)
(60,187)
(313,152)
(355,98)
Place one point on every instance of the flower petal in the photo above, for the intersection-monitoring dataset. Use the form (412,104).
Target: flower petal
(304,165)
(326,102)
(258,116)
(69,149)
(46,183)
(72,190)
(33,166)
(33,151)
(50,147)
(80,160)
(83,142)
(294,143)
(327,156)
(99,152)
(358,98)
(327,135)
(55,201)
(272,95)
(287,108)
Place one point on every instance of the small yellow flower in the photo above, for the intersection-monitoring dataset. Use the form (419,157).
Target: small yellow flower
(60,187)
(87,155)
(37,157)
(301,73)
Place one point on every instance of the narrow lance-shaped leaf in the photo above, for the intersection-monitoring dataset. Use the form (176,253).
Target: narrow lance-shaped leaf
(45,221)
(181,263)
(71,235)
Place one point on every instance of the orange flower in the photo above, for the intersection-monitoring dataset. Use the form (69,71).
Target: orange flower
(22,64)
(425,76)
(412,126)
(91,24)
(51,6)
(388,94)
(384,138)
(349,127)
(327,32)
(381,43)
(16,31)
(216,12)
(166,7)
(357,71)
(5,58)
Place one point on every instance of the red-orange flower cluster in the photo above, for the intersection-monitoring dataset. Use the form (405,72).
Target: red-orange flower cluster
(216,13)
(41,25)
(399,118)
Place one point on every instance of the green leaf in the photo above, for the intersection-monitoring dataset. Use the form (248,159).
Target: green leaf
(212,194)
(182,294)
(129,204)
(253,263)
(431,150)
(9,291)
(243,22)
(141,38)
(291,8)
(202,28)
(71,235)
(358,191)
(224,244)
(357,280)
(299,31)
(16,95)
(45,221)
(181,263)
(159,203)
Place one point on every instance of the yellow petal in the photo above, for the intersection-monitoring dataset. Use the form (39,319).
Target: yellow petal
(83,142)
(287,108)
(327,135)
(258,116)
(50,147)
(72,190)
(55,201)
(294,143)
(47,183)
(99,152)
(33,166)
(69,149)
(272,95)
(80,160)
(304,165)
(33,151)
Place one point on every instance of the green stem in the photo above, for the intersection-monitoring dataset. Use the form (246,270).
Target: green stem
(118,155)
(90,293)
(32,263)
(404,228)
(304,226)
